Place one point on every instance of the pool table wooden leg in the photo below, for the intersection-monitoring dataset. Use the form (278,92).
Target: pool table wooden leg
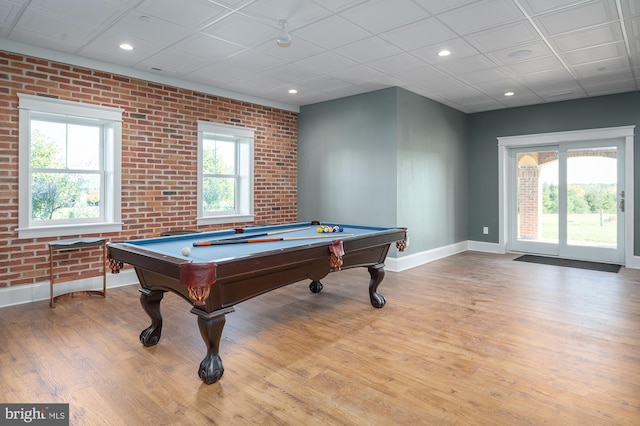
(211,326)
(377,274)
(150,301)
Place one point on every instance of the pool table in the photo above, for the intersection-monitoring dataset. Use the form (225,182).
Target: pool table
(222,268)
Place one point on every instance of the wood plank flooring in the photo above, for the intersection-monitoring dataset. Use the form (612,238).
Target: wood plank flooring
(473,339)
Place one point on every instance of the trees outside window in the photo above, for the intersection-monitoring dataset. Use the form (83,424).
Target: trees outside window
(225,173)
(69,168)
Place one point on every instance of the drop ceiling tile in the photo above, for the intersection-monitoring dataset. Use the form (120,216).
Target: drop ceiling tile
(357,73)
(299,49)
(105,48)
(519,100)
(257,81)
(94,13)
(481,15)
(417,76)
(9,12)
(331,33)
(497,89)
(438,6)
(47,41)
(239,29)
(592,13)
(291,72)
(322,83)
(562,96)
(149,28)
(553,82)
(485,76)
(466,65)
(630,7)
(208,47)
(608,65)
(52,30)
(602,34)
(610,87)
(196,15)
(593,54)
(217,73)
(535,7)
(379,16)
(396,63)
(545,63)
(325,62)
(339,5)
(633,27)
(175,61)
(297,13)
(606,77)
(466,95)
(458,47)
(253,61)
(503,37)
(523,52)
(419,34)
(369,49)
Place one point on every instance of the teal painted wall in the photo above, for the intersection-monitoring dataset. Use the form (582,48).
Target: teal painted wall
(347,160)
(388,158)
(432,172)
(484,129)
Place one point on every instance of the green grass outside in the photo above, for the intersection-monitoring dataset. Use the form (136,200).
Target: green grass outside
(585,227)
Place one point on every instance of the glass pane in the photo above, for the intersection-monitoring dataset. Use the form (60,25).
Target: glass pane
(48,144)
(219,157)
(83,147)
(63,196)
(537,196)
(219,194)
(61,146)
(592,197)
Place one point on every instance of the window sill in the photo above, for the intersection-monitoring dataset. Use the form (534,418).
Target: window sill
(217,220)
(69,230)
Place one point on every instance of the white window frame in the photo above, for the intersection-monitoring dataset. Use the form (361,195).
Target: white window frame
(112,153)
(243,138)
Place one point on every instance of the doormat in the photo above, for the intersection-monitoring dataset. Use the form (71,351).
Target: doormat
(570,263)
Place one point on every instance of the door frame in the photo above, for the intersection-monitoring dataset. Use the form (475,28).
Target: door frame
(624,134)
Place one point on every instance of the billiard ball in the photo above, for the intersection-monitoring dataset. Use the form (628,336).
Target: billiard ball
(186,251)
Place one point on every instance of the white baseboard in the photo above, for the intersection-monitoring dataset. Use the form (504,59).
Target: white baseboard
(17,295)
(417,259)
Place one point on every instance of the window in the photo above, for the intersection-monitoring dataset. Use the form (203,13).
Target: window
(225,173)
(69,178)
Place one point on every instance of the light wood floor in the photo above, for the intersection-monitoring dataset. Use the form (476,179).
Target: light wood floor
(474,339)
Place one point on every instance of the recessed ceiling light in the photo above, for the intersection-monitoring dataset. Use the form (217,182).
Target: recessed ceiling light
(509,93)
(293,91)
(444,52)
(520,54)
(126,46)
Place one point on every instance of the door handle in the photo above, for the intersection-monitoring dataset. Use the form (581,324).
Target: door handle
(622,201)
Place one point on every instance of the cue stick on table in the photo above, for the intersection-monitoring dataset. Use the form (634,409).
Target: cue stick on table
(263,240)
(242,237)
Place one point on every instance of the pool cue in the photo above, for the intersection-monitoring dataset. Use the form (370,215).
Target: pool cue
(247,236)
(263,240)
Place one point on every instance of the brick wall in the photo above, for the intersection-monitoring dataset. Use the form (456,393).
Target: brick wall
(159,144)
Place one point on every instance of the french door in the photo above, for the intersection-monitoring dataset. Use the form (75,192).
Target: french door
(567,200)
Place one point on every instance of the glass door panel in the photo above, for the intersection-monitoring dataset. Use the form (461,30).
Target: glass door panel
(568,201)
(592,197)
(536,195)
